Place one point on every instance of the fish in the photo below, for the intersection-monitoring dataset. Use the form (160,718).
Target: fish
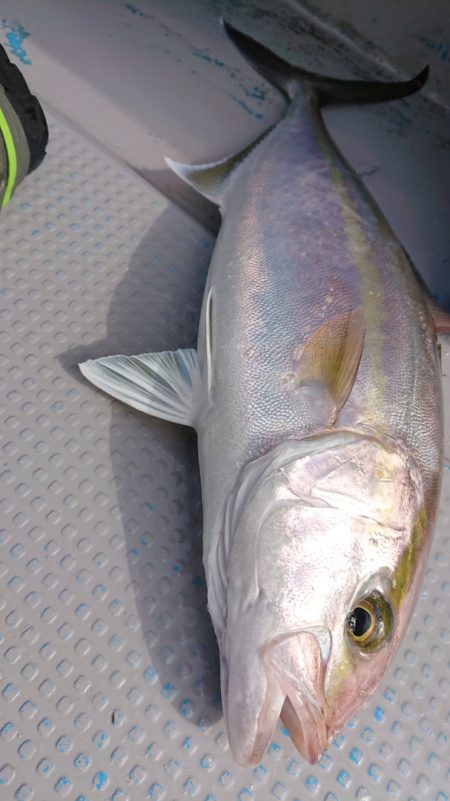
(315,391)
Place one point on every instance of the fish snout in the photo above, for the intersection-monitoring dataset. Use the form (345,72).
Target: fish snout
(284,678)
(299,663)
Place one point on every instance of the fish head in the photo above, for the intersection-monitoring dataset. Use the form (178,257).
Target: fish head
(327,548)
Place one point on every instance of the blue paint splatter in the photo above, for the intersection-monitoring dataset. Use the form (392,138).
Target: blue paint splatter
(311,783)
(63,784)
(7,729)
(260,773)
(258,93)
(338,741)
(374,772)
(212,60)
(134,10)
(325,761)
(343,778)
(279,791)
(186,708)
(247,108)
(15,37)
(100,739)
(293,767)
(190,788)
(168,691)
(82,761)
(368,735)
(356,756)
(225,779)
(187,744)
(442,49)
(150,674)
(156,791)
(63,744)
(99,780)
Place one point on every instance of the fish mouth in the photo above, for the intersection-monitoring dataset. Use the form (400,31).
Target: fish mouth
(307,731)
(294,672)
(300,667)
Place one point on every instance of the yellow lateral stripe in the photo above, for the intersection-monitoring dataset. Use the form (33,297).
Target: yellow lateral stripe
(11,158)
(371,286)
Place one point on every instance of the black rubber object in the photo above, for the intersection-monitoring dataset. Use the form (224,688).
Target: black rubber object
(27,108)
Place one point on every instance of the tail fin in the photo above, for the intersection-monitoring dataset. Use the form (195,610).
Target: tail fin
(286,77)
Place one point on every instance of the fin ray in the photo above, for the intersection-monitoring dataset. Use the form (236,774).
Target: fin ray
(166,385)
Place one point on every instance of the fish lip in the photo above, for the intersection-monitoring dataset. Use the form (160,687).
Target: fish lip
(307,728)
(284,678)
(250,750)
(299,665)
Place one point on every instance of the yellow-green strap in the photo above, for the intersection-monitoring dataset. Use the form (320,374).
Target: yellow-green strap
(11,158)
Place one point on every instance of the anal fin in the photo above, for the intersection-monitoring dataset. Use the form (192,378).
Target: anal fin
(166,385)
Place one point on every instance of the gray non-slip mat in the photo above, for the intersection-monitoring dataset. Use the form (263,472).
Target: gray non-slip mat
(108,665)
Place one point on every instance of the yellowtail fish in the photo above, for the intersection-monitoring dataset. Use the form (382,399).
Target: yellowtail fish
(315,391)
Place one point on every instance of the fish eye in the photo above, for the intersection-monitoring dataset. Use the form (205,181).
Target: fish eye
(369,624)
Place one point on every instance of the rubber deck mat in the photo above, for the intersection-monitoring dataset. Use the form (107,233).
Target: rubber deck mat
(109,683)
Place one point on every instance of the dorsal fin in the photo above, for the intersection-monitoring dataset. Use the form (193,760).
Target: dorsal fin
(211,179)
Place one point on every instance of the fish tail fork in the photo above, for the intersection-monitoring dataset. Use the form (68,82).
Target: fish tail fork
(286,77)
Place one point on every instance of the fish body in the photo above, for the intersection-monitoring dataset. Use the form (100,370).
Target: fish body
(315,391)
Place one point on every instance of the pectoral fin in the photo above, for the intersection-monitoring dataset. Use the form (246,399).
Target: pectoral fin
(166,384)
(329,360)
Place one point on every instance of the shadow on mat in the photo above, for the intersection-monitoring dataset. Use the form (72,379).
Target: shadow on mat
(155,307)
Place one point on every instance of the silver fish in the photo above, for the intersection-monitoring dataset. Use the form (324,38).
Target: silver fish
(316,394)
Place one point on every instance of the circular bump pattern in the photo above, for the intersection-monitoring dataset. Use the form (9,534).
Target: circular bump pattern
(108,664)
